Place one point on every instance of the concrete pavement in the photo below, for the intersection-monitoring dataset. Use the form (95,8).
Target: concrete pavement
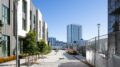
(11,63)
(59,59)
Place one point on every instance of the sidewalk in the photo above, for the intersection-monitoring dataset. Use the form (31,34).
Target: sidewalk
(83,59)
(52,57)
(80,57)
(22,61)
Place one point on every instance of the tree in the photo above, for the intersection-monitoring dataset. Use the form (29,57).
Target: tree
(30,43)
(47,49)
(43,48)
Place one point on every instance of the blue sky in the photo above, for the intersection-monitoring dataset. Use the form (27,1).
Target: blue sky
(88,13)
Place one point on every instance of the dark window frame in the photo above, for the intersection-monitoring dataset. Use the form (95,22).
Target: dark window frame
(5,15)
(24,24)
(6,44)
(24,6)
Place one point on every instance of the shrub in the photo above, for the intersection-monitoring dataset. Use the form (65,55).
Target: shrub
(6,59)
(72,52)
(1,60)
(82,50)
(22,56)
(29,43)
(48,49)
(43,48)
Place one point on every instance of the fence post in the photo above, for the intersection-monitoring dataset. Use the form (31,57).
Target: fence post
(95,53)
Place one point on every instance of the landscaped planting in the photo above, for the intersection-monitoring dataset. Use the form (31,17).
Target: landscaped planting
(6,59)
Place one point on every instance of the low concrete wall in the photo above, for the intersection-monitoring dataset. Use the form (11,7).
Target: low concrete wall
(101,60)
(90,57)
(97,60)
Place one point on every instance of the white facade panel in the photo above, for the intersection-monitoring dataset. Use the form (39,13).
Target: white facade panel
(46,33)
(39,25)
(22,32)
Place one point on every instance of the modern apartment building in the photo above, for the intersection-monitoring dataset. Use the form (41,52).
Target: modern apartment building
(46,33)
(23,17)
(7,17)
(113,33)
(36,21)
(23,21)
(33,17)
(28,18)
(74,33)
(7,45)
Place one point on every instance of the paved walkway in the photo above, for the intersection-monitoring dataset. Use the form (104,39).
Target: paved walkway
(59,59)
(80,57)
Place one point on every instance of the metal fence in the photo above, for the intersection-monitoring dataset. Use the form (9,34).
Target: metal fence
(96,51)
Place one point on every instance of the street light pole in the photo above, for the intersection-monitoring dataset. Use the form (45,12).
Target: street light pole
(99,37)
(16,35)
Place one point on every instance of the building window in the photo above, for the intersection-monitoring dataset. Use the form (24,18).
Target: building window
(34,19)
(34,23)
(30,15)
(6,45)
(24,6)
(24,27)
(5,14)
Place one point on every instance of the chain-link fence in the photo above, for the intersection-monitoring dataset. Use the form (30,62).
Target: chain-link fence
(96,51)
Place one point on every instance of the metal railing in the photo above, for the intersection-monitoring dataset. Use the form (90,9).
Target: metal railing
(96,51)
(106,52)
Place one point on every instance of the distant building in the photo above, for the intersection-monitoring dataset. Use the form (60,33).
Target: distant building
(52,41)
(55,44)
(74,33)
(60,45)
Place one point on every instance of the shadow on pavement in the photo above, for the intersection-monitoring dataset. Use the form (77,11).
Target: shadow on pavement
(7,65)
(69,57)
(72,64)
